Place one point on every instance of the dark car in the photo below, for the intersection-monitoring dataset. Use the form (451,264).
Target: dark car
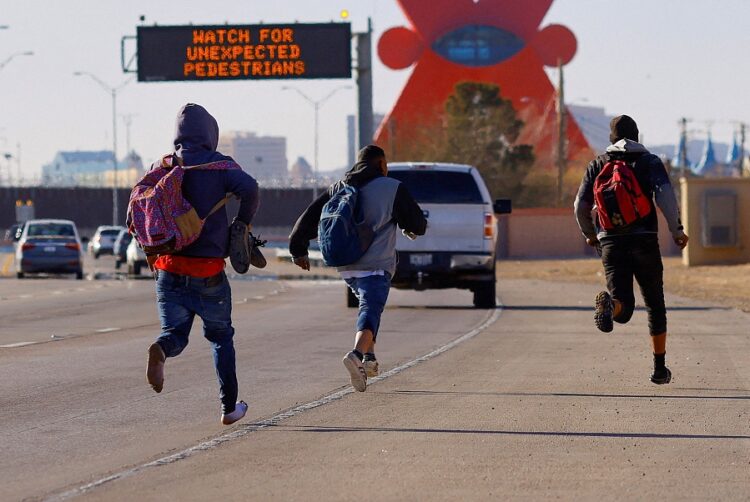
(121,247)
(49,246)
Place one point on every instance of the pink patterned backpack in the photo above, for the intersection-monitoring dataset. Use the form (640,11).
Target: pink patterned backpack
(159,217)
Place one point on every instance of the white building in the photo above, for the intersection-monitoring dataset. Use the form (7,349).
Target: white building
(263,157)
(91,169)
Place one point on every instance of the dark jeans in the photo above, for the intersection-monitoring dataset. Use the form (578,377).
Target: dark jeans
(372,292)
(180,298)
(636,256)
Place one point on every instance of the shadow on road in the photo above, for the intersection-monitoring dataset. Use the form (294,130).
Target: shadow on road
(568,394)
(589,308)
(612,435)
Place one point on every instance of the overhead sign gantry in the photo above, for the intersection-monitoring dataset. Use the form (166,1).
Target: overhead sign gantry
(239,52)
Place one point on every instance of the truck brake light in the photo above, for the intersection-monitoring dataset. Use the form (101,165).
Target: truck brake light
(489,225)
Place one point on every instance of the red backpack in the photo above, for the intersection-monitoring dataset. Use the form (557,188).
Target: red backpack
(619,199)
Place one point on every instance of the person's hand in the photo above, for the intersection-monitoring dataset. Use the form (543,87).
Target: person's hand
(302,262)
(409,235)
(681,240)
(593,242)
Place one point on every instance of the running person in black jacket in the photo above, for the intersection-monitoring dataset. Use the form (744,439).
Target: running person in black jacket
(633,251)
(385,204)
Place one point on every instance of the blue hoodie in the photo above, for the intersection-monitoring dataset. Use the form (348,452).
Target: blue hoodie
(195,142)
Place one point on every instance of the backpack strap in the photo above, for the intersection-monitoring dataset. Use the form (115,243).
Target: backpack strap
(219,205)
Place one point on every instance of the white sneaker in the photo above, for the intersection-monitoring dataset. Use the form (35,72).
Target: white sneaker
(239,411)
(356,371)
(371,367)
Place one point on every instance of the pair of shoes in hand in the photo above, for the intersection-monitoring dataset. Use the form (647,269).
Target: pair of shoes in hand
(244,248)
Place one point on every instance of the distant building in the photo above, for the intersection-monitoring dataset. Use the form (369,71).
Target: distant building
(352,136)
(301,172)
(594,124)
(91,169)
(264,157)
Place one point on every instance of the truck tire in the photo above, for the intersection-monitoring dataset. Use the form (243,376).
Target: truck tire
(484,295)
(19,275)
(351,299)
(79,275)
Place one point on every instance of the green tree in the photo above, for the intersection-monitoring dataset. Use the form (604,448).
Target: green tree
(480,128)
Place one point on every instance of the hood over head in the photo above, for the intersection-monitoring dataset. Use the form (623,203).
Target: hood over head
(196,136)
(623,127)
(626,146)
(367,166)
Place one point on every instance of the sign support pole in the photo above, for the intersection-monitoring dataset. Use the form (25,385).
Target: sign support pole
(364,86)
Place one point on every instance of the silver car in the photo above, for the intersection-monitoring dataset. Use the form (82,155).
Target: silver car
(103,241)
(49,246)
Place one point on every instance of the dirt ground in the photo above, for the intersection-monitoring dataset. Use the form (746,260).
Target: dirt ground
(722,284)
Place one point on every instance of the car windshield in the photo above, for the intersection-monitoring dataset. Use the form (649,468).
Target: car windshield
(440,187)
(51,230)
(110,233)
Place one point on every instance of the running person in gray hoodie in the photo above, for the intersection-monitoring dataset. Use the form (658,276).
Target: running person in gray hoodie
(385,204)
(633,251)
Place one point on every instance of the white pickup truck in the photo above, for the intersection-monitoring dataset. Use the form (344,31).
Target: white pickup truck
(458,249)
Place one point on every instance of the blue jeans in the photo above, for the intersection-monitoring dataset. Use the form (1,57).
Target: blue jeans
(179,299)
(372,292)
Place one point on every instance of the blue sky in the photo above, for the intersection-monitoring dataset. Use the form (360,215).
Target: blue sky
(656,60)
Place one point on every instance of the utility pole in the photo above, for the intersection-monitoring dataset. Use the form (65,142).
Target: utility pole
(364,86)
(741,160)
(561,134)
(128,120)
(682,154)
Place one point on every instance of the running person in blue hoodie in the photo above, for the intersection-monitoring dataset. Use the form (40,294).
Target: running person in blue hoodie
(632,252)
(192,282)
(386,204)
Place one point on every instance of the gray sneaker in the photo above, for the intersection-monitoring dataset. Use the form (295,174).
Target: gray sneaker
(356,371)
(371,367)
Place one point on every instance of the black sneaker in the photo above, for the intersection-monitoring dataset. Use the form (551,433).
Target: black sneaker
(603,312)
(661,376)
(239,248)
(257,259)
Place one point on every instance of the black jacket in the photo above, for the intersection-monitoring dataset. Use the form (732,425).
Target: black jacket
(406,212)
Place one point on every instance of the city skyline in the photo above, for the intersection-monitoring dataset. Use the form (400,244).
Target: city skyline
(657,77)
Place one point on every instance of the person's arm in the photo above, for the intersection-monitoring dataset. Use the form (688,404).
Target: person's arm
(407,213)
(245,187)
(667,201)
(306,227)
(584,204)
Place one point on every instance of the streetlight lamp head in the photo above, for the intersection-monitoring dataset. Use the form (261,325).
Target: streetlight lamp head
(27,53)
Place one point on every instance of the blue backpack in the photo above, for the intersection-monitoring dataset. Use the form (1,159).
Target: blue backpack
(343,236)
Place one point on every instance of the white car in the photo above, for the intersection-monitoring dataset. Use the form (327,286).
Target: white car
(458,249)
(103,241)
(135,258)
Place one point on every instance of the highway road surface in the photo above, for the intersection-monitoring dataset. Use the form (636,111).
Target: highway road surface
(527,401)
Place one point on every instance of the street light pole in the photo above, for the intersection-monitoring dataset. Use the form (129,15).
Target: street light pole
(13,56)
(316,107)
(112,91)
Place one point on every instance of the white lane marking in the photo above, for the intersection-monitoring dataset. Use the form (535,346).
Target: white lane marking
(275,419)
(107,330)
(17,344)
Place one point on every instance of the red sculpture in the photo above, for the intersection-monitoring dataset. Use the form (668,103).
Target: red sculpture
(496,41)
